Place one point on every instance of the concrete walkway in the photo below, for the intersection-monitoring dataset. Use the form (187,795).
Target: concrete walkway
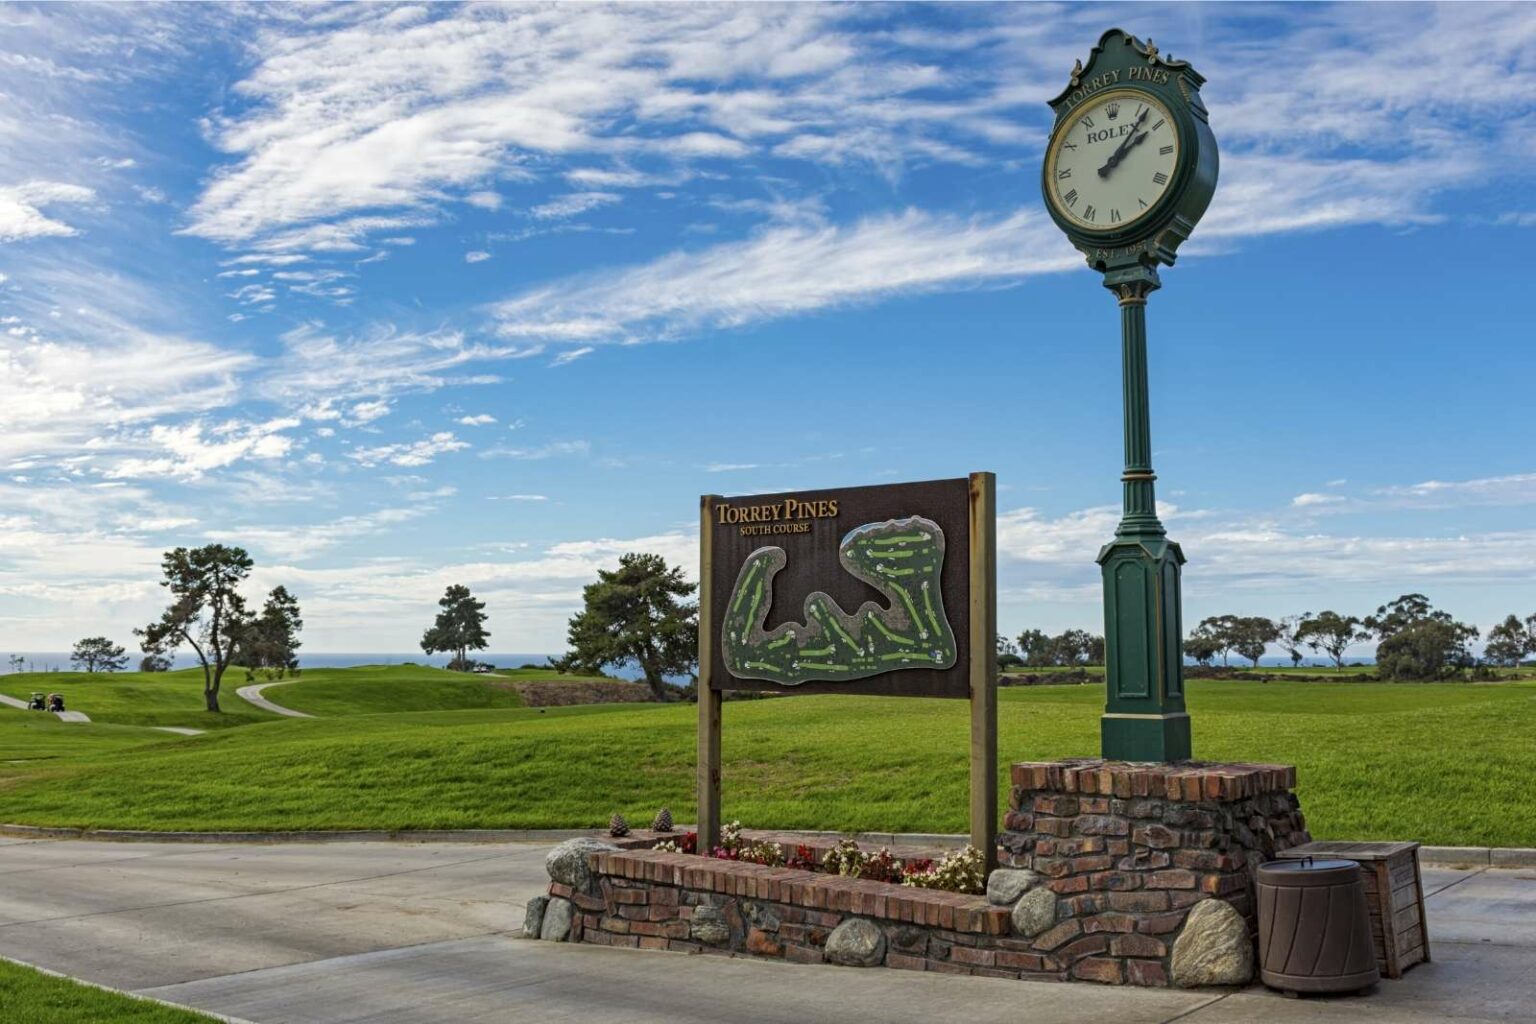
(64,716)
(252,695)
(425,934)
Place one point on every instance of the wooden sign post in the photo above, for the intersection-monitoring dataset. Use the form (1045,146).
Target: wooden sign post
(786,583)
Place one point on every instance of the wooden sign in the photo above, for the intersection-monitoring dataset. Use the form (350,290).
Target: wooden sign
(887,590)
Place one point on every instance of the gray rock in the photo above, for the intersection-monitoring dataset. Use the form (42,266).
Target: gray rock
(761,916)
(567,863)
(709,926)
(1006,885)
(856,943)
(1214,947)
(557,920)
(1034,913)
(533,917)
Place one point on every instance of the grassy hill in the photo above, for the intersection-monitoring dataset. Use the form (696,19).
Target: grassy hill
(1446,764)
(140,698)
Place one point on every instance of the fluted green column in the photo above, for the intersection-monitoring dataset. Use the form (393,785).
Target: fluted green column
(1144,717)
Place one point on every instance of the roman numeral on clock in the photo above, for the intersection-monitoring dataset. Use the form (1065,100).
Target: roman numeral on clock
(1088,213)
(1165,151)
(1063,175)
(1069,145)
(1070,198)
(1114,216)
(1160,178)
(1142,201)
(1087,122)
(1160,123)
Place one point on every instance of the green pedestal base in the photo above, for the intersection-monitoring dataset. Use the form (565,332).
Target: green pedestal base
(1146,737)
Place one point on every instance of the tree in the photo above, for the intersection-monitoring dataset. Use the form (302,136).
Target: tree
(1035,647)
(156,662)
(1408,610)
(1252,635)
(1201,647)
(207,612)
(1286,638)
(1331,633)
(1221,631)
(1510,641)
(1430,648)
(272,642)
(460,627)
(98,654)
(638,612)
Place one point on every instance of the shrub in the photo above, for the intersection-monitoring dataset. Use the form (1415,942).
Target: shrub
(961,871)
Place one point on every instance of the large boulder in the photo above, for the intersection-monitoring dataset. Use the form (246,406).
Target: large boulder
(709,926)
(1214,947)
(556,926)
(533,917)
(1034,913)
(567,863)
(856,943)
(1006,885)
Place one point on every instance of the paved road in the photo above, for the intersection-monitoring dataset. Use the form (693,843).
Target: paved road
(252,695)
(425,934)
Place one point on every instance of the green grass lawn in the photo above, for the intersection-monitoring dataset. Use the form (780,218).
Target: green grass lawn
(140,698)
(32,997)
(1444,764)
(390,689)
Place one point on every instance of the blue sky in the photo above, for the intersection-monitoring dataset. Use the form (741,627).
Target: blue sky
(398,297)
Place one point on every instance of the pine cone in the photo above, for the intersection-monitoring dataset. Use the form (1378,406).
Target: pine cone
(663,822)
(617,826)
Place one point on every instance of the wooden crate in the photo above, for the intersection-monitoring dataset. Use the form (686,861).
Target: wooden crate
(1394,893)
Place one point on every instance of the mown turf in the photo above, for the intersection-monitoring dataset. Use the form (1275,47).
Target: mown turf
(31,997)
(385,689)
(389,689)
(1444,764)
(140,698)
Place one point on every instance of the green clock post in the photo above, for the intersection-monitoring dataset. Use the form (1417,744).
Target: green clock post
(1129,170)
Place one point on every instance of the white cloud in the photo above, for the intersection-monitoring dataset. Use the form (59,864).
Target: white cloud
(477,420)
(1311,500)
(476,256)
(21,209)
(548,451)
(415,453)
(191,450)
(788,269)
(570,355)
(517,497)
(572,204)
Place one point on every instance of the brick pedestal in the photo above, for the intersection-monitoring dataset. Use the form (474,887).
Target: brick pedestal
(1130,847)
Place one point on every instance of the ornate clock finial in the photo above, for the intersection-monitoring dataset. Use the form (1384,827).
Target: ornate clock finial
(1077,72)
(1151,51)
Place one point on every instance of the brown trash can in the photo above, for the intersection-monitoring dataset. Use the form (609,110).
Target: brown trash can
(1315,927)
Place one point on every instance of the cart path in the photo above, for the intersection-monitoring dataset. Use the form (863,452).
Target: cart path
(179,730)
(64,716)
(252,695)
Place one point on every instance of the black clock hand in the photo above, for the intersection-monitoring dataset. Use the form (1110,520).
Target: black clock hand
(1131,140)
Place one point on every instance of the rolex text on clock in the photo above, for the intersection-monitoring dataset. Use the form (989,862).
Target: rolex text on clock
(1111,160)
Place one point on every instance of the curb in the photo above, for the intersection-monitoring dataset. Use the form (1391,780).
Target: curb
(1434,856)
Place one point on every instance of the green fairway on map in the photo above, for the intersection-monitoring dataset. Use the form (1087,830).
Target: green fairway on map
(901,558)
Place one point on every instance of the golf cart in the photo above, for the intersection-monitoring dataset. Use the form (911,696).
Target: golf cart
(55,702)
(37,703)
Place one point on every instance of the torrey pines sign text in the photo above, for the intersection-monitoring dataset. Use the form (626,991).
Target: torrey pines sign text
(884,590)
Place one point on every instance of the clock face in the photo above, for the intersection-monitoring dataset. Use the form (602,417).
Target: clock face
(1111,160)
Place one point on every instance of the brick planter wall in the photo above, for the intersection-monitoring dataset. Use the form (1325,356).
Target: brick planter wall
(1129,848)
(1126,849)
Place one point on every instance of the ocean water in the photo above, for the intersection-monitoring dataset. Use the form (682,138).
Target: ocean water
(58,661)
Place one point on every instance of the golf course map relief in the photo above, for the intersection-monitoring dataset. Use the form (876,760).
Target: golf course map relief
(901,558)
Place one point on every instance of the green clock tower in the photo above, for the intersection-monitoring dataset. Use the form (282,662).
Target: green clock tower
(1129,170)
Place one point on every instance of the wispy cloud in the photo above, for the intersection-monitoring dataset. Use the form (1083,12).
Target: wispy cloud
(412,453)
(788,269)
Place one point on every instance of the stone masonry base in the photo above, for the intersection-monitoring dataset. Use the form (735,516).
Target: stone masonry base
(1122,852)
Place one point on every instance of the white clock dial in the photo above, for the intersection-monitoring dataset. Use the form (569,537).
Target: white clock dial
(1112,160)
